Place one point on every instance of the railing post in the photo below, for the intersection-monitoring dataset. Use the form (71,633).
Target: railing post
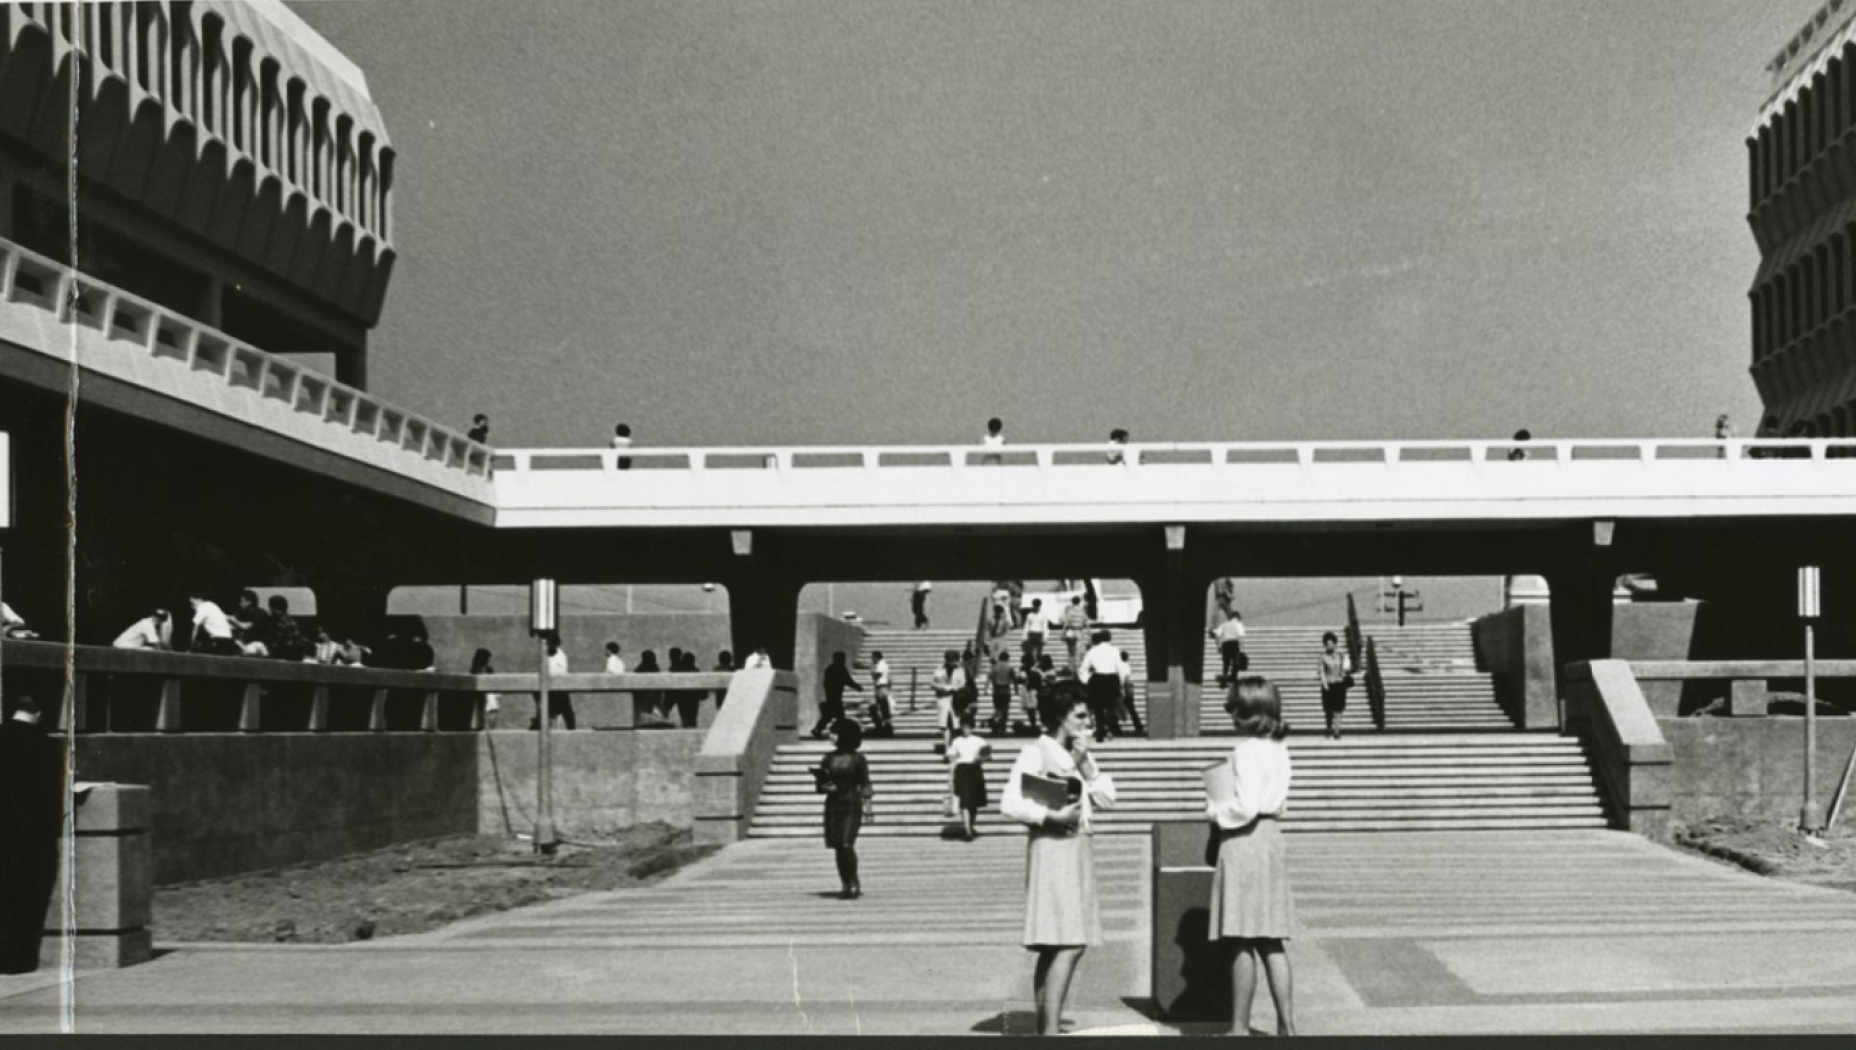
(249,715)
(319,710)
(377,713)
(476,712)
(167,712)
(428,714)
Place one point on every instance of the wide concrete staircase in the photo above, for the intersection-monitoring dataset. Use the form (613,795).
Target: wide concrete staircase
(1448,759)
(1429,672)
(1375,782)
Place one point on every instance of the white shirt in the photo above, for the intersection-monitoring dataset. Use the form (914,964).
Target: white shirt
(557,662)
(1044,757)
(991,440)
(1263,775)
(1231,630)
(210,618)
(1102,658)
(9,618)
(879,674)
(614,665)
(146,634)
(621,442)
(924,586)
(966,749)
(757,660)
(1035,623)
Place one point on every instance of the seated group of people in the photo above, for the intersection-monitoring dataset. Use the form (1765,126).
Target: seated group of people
(269,631)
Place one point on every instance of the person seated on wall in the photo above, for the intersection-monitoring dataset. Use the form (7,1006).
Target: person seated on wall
(13,625)
(154,631)
(278,632)
(327,650)
(212,628)
(419,654)
(353,653)
(248,624)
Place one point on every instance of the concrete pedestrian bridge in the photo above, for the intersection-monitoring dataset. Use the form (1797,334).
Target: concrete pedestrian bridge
(1249,482)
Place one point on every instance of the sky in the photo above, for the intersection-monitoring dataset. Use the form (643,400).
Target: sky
(849,222)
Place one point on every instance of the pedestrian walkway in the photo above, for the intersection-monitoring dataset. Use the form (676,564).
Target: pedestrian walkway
(1418,933)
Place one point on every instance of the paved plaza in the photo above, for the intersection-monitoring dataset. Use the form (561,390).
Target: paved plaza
(1445,933)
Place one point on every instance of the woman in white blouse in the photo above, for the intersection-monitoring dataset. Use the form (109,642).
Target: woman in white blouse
(1061,918)
(1251,903)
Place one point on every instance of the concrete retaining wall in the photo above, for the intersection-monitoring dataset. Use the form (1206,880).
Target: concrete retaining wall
(229,803)
(1516,647)
(819,637)
(603,782)
(1753,767)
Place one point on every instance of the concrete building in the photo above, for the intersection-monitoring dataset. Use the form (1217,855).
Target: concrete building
(1802,210)
(228,164)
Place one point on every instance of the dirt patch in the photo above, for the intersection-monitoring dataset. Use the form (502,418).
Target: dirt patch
(1776,848)
(411,888)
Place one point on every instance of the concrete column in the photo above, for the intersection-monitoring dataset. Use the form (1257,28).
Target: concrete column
(1172,617)
(377,712)
(251,708)
(763,604)
(1580,604)
(167,715)
(319,710)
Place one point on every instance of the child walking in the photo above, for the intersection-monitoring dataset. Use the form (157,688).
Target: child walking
(1251,904)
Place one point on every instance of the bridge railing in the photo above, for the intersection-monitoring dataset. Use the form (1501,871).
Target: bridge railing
(246,382)
(1306,454)
(141,690)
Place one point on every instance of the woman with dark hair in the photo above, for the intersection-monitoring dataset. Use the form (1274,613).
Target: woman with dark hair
(1061,918)
(1251,903)
(1336,679)
(844,779)
(492,702)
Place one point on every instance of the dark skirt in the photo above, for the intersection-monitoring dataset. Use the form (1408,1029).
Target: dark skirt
(1333,699)
(970,785)
(843,817)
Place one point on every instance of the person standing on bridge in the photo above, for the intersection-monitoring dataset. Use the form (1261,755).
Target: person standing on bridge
(994,438)
(1336,679)
(1061,913)
(844,779)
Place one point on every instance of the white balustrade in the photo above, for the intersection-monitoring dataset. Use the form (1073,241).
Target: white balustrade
(240,377)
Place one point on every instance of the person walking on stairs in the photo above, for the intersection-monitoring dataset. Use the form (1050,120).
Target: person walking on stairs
(1251,905)
(1053,788)
(918,603)
(1336,679)
(966,778)
(843,777)
(949,682)
(831,708)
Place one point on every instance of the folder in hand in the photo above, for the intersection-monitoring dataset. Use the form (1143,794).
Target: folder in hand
(1048,792)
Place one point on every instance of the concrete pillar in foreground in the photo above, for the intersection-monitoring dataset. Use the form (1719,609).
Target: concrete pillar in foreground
(112,893)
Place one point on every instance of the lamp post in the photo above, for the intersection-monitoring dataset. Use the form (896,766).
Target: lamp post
(1810,817)
(544,623)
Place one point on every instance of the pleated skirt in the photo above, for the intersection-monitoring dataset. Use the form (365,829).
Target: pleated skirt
(1060,892)
(1250,894)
